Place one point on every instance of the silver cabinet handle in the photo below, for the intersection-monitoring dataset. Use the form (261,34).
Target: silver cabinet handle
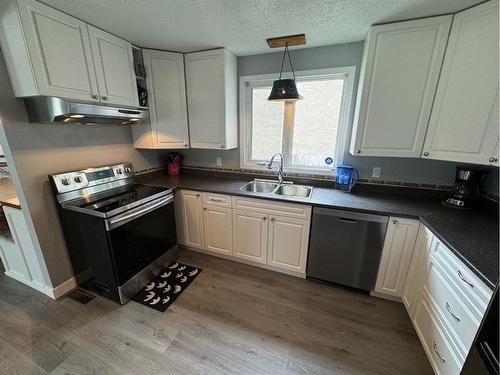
(264,218)
(204,208)
(221,146)
(104,98)
(394,222)
(197,195)
(451,312)
(95,96)
(493,160)
(465,280)
(426,154)
(434,346)
(272,219)
(216,200)
(185,145)
(358,152)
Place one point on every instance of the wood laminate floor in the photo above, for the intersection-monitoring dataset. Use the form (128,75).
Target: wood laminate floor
(233,319)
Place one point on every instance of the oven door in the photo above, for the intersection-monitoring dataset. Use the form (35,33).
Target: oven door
(140,236)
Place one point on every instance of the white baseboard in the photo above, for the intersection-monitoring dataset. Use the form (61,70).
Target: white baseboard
(64,288)
(386,296)
(249,262)
(32,284)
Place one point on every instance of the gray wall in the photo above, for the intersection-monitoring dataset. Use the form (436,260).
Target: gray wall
(41,149)
(394,169)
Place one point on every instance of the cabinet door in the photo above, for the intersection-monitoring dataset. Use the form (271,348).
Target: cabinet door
(218,225)
(211,83)
(60,52)
(419,260)
(167,99)
(193,219)
(399,75)
(288,242)
(464,121)
(114,65)
(250,236)
(396,256)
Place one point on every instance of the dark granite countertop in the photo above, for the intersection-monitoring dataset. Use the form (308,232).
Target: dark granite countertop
(471,234)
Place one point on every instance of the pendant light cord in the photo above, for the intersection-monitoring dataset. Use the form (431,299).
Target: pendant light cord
(287,53)
(290,60)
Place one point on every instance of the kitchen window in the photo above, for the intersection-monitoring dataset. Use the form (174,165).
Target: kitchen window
(307,131)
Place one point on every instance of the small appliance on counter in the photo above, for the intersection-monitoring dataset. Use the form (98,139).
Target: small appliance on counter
(345,177)
(467,189)
(173,163)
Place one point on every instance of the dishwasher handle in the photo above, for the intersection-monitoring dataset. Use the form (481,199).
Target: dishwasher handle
(347,220)
(349,215)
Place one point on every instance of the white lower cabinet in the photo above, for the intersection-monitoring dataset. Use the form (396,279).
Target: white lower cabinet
(434,340)
(446,303)
(250,232)
(218,224)
(396,256)
(418,263)
(265,233)
(288,243)
(192,216)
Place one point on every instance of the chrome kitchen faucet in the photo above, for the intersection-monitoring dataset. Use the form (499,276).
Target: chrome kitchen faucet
(280,170)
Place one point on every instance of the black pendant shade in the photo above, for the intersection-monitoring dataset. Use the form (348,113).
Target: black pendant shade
(285,90)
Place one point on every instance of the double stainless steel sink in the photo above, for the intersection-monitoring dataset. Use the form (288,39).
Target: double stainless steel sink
(273,187)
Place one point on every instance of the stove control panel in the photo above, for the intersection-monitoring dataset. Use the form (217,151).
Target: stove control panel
(76,180)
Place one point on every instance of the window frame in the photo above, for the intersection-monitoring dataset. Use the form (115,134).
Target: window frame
(248,82)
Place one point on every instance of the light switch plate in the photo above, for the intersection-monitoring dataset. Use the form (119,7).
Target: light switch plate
(376,172)
(219,161)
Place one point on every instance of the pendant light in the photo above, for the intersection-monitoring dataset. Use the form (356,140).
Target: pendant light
(285,90)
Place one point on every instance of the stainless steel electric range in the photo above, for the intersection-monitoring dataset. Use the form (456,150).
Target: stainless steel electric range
(119,233)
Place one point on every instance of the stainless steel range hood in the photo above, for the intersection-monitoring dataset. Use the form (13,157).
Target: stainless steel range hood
(49,109)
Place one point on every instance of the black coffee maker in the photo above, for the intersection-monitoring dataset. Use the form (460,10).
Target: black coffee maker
(467,189)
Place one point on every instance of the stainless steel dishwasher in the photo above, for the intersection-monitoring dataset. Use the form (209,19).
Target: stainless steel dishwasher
(345,247)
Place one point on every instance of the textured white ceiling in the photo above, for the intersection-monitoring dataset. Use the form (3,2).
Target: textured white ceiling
(242,26)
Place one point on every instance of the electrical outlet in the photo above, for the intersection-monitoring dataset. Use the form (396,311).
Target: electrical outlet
(376,172)
(219,161)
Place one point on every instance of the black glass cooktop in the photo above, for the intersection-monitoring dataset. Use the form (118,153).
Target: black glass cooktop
(116,198)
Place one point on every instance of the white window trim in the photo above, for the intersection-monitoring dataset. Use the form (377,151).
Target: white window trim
(267,79)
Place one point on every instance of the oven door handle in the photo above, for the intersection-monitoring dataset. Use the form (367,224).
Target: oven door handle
(119,220)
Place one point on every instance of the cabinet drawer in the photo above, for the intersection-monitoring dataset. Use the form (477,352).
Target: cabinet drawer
(474,292)
(454,311)
(216,200)
(435,342)
(272,208)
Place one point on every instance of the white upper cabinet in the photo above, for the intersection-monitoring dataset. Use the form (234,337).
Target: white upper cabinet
(48,52)
(464,121)
(211,81)
(114,65)
(57,58)
(168,127)
(398,79)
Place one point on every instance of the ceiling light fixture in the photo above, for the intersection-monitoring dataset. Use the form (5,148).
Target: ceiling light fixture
(285,90)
